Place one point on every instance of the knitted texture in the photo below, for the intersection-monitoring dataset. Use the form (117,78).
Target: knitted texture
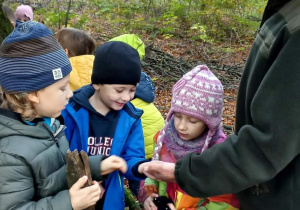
(199,93)
(116,63)
(24,11)
(145,89)
(31,59)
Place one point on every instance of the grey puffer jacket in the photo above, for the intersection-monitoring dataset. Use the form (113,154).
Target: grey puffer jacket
(32,165)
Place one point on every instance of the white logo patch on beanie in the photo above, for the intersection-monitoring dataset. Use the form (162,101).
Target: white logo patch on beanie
(57,74)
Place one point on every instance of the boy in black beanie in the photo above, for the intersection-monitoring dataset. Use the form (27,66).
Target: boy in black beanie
(101,120)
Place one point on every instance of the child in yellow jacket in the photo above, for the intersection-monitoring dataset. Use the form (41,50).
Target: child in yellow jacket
(80,48)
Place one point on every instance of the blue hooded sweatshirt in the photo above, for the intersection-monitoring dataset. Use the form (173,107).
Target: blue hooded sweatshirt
(128,143)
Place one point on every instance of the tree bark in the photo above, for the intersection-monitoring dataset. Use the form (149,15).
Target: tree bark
(5,27)
(76,167)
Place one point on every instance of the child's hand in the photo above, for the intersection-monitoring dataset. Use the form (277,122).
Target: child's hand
(148,203)
(102,189)
(113,163)
(141,167)
(81,198)
(172,207)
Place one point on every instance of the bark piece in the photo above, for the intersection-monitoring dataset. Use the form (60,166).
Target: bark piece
(76,167)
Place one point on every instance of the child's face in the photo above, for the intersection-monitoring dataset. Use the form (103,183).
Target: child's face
(188,127)
(114,97)
(50,101)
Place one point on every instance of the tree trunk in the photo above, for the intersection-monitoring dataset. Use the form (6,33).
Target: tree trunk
(68,12)
(5,26)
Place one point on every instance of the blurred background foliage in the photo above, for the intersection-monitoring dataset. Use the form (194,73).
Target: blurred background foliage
(178,34)
(201,20)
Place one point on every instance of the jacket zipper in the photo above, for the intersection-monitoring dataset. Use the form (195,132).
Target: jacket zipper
(54,137)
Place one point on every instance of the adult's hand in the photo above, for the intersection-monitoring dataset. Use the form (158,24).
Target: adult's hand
(159,170)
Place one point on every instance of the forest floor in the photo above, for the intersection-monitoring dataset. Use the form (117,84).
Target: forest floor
(167,59)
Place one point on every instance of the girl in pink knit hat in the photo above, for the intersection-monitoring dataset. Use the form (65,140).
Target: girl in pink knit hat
(23,13)
(193,124)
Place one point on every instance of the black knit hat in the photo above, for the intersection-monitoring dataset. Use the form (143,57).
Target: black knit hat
(116,63)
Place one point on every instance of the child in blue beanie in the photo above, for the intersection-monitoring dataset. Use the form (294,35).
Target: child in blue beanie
(34,79)
(101,120)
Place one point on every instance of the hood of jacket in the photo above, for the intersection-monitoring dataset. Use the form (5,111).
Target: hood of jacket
(145,89)
(11,124)
(82,67)
(272,7)
(134,41)
(82,95)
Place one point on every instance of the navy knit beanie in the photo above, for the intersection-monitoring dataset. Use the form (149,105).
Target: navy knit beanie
(31,59)
(116,63)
